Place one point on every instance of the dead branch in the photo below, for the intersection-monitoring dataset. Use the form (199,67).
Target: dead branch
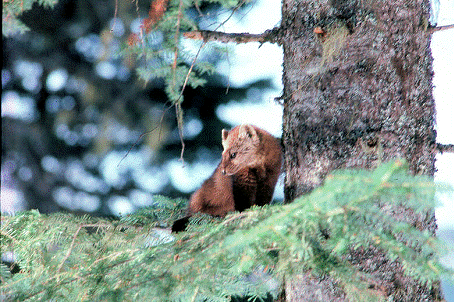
(439,28)
(441,148)
(271,35)
(208,35)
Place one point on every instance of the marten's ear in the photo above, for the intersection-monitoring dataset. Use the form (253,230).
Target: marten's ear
(247,131)
(225,134)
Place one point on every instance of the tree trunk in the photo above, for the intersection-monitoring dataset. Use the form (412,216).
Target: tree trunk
(357,91)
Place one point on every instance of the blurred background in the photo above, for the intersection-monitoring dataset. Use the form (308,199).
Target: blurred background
(72,108)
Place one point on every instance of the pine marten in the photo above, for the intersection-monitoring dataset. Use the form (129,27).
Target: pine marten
(248,172)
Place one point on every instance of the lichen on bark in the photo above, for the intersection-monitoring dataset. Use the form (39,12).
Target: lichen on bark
(356,93)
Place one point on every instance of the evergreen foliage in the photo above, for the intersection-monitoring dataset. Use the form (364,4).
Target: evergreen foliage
(11,10)
(158,48)
(63,257)
(166,59)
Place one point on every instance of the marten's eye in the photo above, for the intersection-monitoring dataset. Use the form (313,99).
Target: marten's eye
(232,155)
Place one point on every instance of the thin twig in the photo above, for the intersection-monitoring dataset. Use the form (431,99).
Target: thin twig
(113,256)
(439,28)
(230,16)
(178,103)
(190,70)
(176,37)
(441,148)
(70,249)
(198,9)
(147,132)
(180,129)
(235,217)
(174,67)
(135,144)
(115,16)
(73,279)
(162,119)
(74,241)
(195,293)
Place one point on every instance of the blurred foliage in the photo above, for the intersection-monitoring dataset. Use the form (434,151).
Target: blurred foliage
(171,62)
(64,257)
(73,107)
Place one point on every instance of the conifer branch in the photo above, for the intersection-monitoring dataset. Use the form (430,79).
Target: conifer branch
(8,235)
(214,259)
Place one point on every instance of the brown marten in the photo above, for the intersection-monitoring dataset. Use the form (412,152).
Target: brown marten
(246,176)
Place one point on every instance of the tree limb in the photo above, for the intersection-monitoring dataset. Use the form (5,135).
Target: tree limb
(438,28)
(270,35)
(441,148)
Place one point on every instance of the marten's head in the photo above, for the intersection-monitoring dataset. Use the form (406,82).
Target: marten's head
(241,149)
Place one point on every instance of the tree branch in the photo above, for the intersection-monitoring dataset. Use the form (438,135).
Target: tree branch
(445,148)
(270,35)
(438,28)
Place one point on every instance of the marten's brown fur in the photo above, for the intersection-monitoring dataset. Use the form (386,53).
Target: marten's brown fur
(246,176)
(215,196)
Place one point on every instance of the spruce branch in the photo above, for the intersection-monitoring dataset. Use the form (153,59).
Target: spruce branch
(239,255)
(172,19)
(11,10)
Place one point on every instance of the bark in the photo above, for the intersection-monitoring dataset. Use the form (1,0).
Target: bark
(357,91)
